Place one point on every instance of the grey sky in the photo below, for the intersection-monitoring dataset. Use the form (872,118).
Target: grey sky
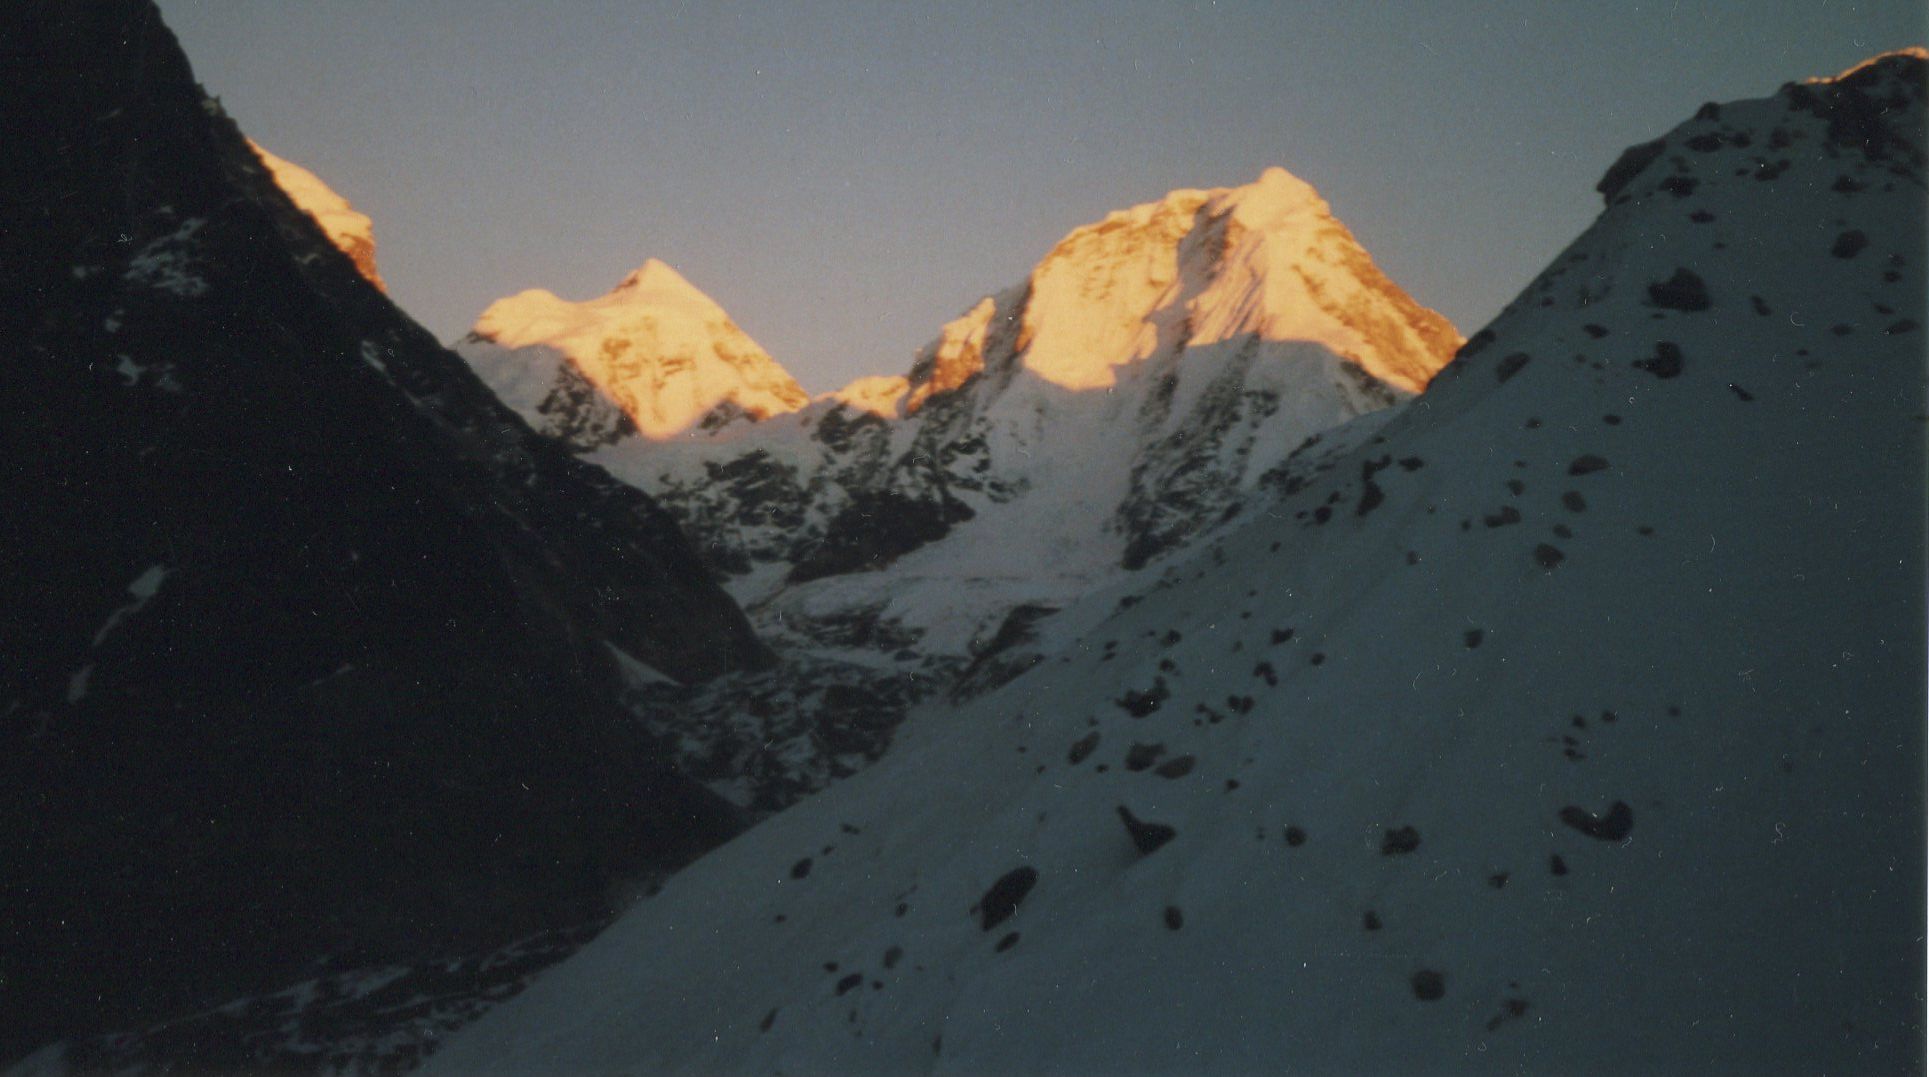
(845,177)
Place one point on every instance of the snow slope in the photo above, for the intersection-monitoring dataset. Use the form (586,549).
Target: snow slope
(654,357)
(349,229)
(1570,723)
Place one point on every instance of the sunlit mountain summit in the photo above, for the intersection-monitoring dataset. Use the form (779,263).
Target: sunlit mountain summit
(1128,396)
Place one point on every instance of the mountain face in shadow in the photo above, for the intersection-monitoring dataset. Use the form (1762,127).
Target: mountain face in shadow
(311,646)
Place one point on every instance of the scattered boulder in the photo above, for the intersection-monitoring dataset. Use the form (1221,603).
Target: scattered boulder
(1615,825)
(1684,291)
(1399,841)
(1082,748)
(1511,1009)
(1147,837)
(1511,365)
(1141,756)
(1371,497)
(1680,186)
(1849,244)
(1175,768)
(1665,363)
(801,868)
(1587,465)
(1002,900)
(1138,704)
(1429,985)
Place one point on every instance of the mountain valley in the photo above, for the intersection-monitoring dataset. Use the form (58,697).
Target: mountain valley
(1202,657)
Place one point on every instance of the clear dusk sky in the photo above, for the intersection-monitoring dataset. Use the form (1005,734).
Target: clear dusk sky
(845,177)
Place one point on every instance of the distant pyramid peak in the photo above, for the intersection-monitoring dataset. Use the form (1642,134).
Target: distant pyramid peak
(655,275)
(1277,193)
(1266,261)
(654,356)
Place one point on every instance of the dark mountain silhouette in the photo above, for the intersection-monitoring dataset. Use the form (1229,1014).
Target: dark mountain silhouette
(309,646)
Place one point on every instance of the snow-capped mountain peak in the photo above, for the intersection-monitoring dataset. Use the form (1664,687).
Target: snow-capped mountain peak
(655,282)
(1266,261)
(1123,400)
(345,226)
(653,357)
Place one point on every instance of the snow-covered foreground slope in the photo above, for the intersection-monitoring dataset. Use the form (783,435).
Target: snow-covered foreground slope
(348,228)
(1572,723)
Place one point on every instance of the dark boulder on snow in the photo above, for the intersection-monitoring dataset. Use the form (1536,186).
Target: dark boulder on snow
(1004,896)
(1665,363)
(1147,837)
(1082,748)
(1404,839)
(1684,291)
(1429,985)
(1615,825)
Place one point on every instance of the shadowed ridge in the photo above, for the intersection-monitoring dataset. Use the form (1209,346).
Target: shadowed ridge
(309,645)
